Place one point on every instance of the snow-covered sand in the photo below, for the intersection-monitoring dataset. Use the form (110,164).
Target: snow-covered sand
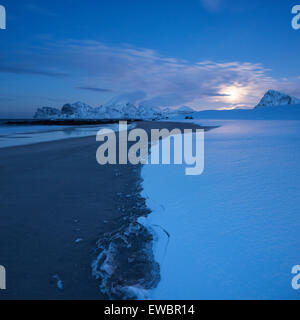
(234,230)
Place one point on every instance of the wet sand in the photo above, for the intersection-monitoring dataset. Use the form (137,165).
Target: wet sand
(52,194)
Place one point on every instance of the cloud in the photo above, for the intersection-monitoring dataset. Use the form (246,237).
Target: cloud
(101,90)
(16,69)
(164,81)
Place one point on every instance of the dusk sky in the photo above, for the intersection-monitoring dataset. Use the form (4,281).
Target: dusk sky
(205,54)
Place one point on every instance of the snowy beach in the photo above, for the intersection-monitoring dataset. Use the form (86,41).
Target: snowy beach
(230,233)
(233,232)
(57,206)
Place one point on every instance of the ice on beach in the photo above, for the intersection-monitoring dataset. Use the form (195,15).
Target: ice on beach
(232,232)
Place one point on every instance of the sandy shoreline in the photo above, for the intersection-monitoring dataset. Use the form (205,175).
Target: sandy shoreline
(53,194)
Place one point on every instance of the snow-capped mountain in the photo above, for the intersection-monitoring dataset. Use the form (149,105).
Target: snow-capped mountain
(275,98)
(185,110)
(115,109)
(47,113)
(125,110)
(182,111)
(80,110)
(77,110)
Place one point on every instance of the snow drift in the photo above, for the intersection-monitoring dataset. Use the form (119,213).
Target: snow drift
(233,232)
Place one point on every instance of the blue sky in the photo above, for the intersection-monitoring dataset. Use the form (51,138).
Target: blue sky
(201,53)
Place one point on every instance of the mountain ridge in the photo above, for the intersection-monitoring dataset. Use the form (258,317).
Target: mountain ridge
(275,98)
(116,110)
